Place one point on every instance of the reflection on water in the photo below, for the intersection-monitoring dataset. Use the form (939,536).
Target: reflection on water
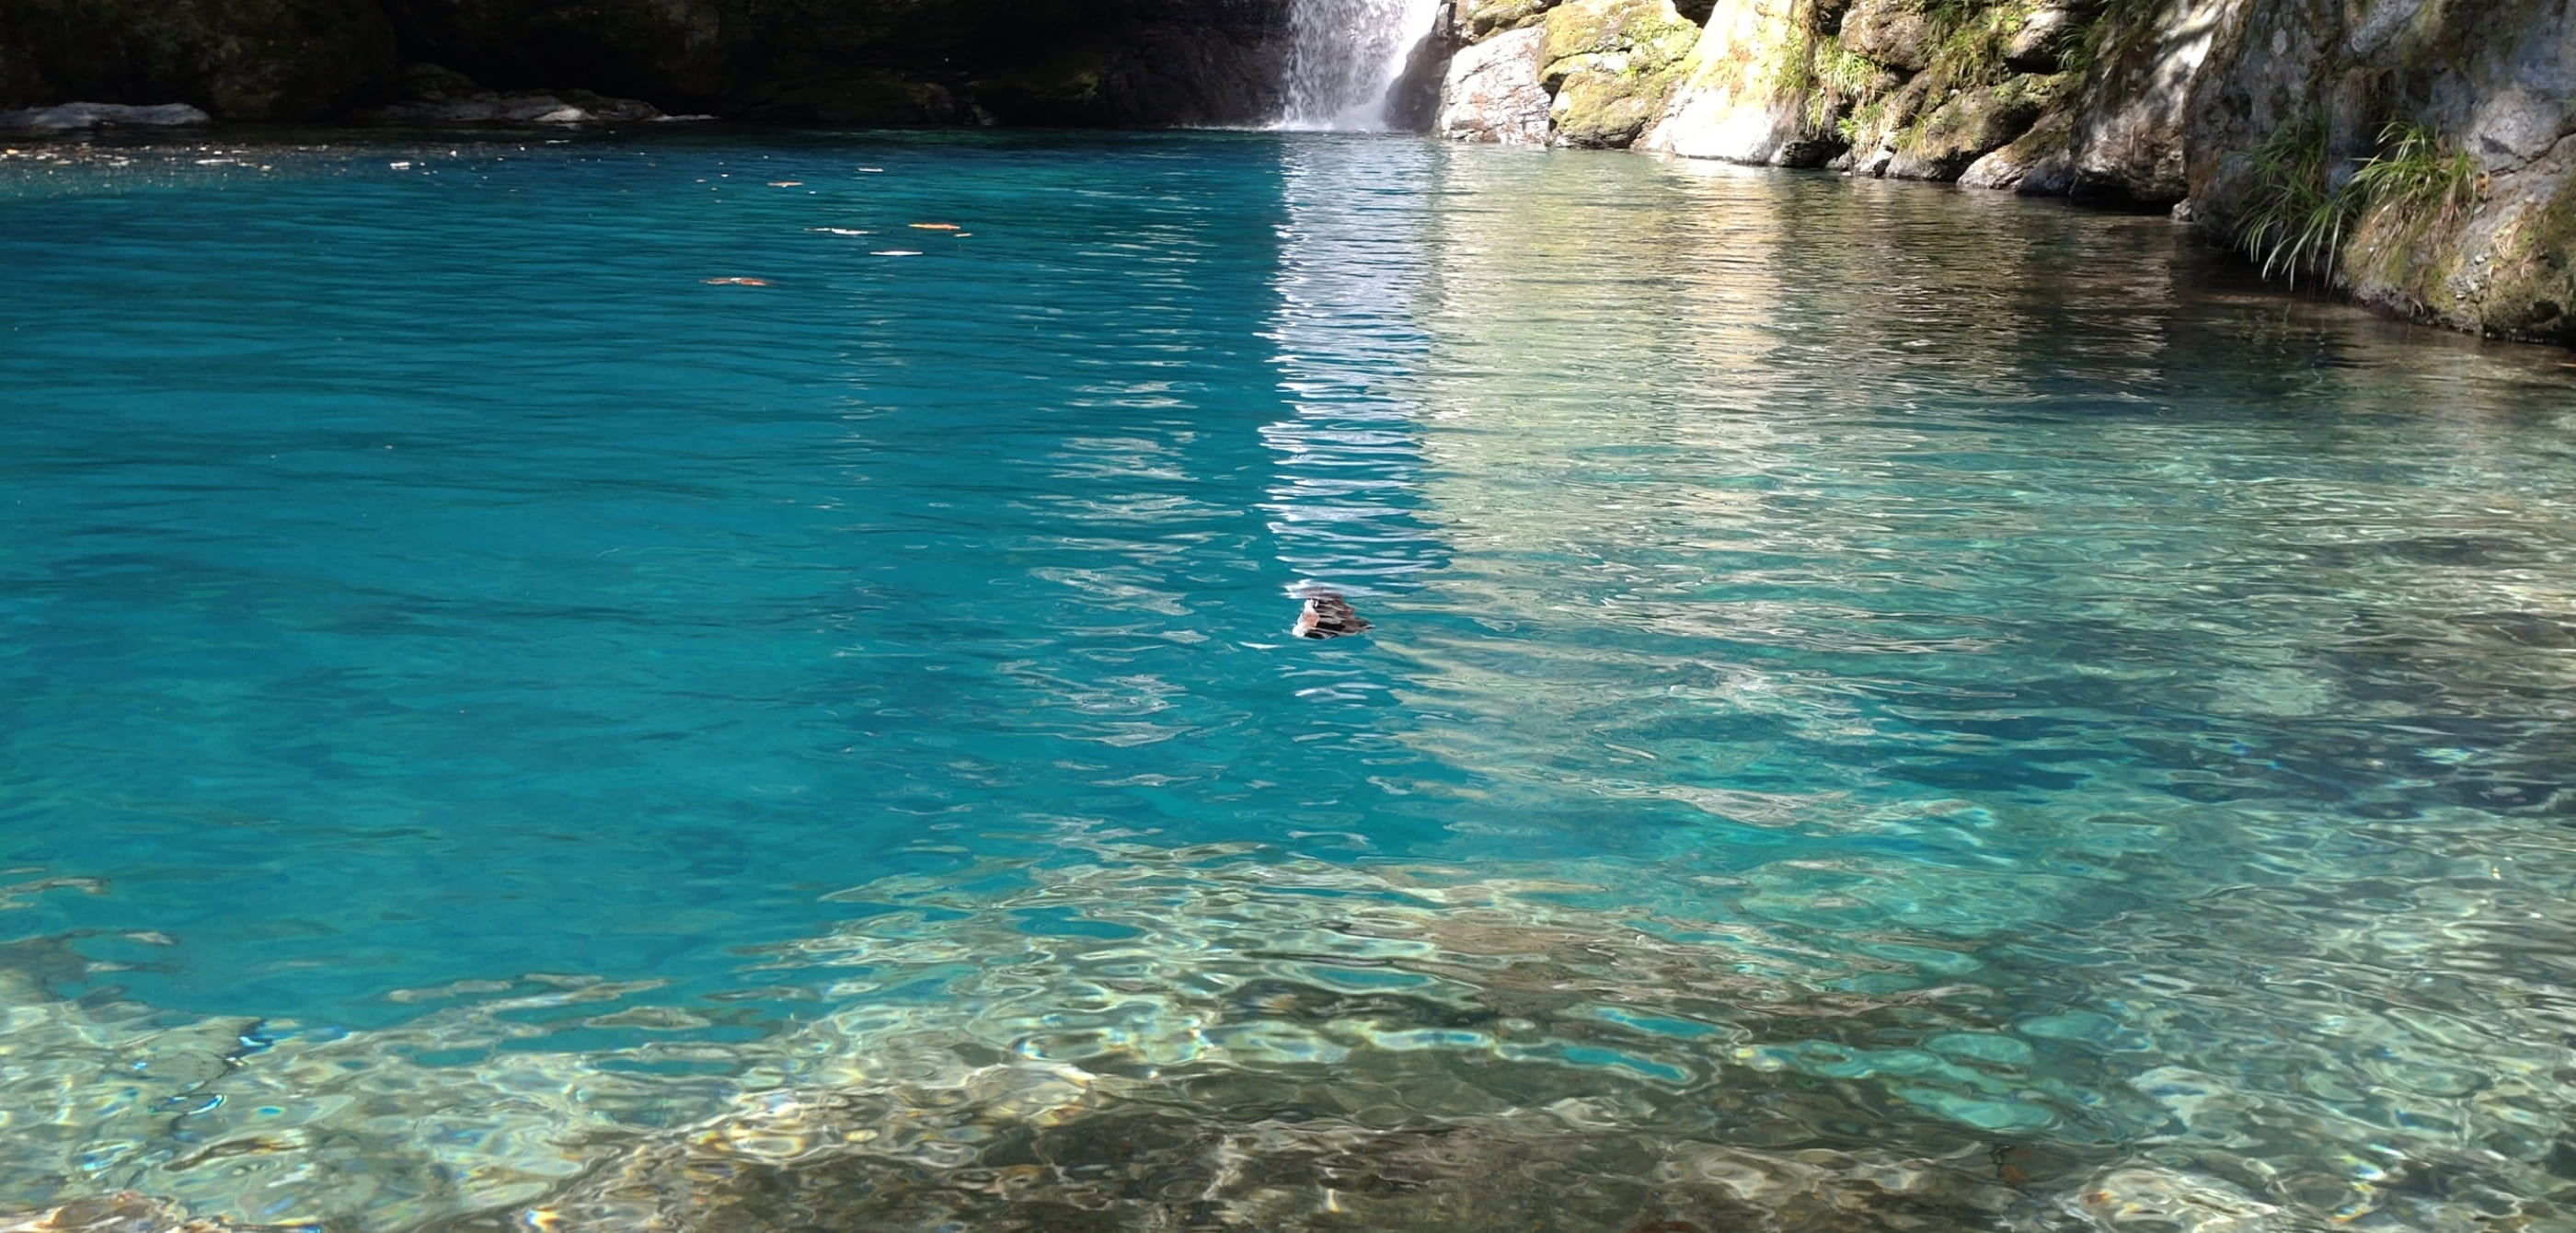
(1889,709)
(1350,279)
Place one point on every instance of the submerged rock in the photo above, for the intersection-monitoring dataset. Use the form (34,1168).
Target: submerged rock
(1493,91)
(97,115)
(2147,1197)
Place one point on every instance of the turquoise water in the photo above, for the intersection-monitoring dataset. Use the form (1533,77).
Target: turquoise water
(1889,707)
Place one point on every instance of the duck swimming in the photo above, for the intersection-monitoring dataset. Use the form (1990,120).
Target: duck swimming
(1328,615)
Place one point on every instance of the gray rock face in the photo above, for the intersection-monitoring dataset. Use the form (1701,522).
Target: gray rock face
(2128,143)
(2494,81)
(2046,35)
(1726,105)
(1493,91)
(96,115)
(1892,32)
(1971,124)
(1413,102)
(2036,164)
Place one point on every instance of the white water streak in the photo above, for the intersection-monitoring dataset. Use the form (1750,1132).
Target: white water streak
(1344,56)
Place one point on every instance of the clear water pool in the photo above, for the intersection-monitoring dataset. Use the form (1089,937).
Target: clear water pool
(1889,707)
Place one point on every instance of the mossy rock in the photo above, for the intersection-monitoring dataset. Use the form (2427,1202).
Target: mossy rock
(1975,122)
(2428,261)
(1651,32)
(1879,126)
(2534,293)
(1482,19)
(1605,101)
(1610,64)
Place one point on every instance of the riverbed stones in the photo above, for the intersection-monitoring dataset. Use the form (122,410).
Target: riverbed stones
(1493,92)
(2142,1197)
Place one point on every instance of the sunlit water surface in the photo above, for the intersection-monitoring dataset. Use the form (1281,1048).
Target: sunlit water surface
(1890,708)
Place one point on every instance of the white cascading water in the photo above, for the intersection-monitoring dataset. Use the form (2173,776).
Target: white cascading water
(1344,55)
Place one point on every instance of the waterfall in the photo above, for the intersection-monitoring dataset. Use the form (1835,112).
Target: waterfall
(1343,55)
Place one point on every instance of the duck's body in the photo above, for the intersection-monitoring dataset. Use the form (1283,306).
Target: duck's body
(1328,615)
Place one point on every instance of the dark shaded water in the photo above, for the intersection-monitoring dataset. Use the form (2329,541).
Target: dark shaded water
(1890,707)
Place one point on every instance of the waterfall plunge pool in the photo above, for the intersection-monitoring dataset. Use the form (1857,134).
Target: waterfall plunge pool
(624,684)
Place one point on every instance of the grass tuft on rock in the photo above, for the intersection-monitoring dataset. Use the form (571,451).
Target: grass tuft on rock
(2295,222)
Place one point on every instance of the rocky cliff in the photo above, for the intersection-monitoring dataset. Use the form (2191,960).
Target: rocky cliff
(2412,153)
(1117,62)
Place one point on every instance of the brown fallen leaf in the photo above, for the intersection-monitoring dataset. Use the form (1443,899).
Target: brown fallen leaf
(737,282)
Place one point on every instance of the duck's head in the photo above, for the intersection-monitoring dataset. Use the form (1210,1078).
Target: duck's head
(1327,615)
